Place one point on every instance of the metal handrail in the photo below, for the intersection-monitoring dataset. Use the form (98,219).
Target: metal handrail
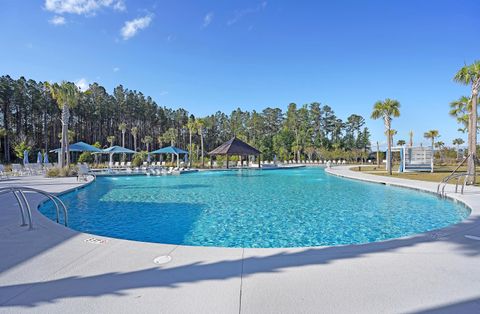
(456,176)
(21,189)
(447,178)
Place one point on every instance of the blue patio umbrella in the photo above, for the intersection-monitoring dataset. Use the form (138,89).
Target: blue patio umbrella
(171,150)
(45,158)
(116,150)
(39,158)
(25,157)
(79,147)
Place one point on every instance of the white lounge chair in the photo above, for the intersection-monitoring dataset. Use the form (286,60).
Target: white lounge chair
(17,170)
(83,172)
(3,173)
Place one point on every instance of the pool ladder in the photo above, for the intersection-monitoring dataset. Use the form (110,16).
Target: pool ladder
(25,210)
(458,176)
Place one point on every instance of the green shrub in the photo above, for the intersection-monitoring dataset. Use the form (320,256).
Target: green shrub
(20,148)
(86,157)
(62,172)
(53,172)
(139,158)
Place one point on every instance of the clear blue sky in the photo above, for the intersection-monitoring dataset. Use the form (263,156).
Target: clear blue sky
(214,55)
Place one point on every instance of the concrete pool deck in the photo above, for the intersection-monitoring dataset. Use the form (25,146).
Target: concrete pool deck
(52,269)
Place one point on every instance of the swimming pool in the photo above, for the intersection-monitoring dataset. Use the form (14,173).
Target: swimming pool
(252,208)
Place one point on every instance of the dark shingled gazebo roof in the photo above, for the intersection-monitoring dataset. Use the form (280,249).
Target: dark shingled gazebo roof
(235,147)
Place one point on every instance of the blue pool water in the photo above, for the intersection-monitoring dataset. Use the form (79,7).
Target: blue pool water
(251,208)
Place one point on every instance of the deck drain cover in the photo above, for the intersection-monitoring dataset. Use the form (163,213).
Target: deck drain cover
(472,237)
(160,260)
(96,241)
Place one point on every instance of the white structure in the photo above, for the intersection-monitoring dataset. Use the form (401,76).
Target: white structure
(416,158)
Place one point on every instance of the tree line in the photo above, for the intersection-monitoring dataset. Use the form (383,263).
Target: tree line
(31,117)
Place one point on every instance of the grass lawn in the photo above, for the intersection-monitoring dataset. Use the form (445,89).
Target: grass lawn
(439,173)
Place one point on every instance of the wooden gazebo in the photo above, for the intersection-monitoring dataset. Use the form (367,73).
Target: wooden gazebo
(235,147)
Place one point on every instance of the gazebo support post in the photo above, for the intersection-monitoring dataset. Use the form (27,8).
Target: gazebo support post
(259,162)
(235,147)
(211,162)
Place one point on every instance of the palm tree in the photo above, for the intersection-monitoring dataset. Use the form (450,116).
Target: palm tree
(191,126)
(170,136)
(393,132)
(66,95)
(457,142)
(147,140)
(134,131)
(440,146)
(111,140)
(411,138)
(123,127)
(401,142)
(470,75)
(200,128)
(386,110)
(160,140)
(460,109)
(432,134)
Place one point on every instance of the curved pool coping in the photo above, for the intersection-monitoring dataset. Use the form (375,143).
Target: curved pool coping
(432,270)
(344,172)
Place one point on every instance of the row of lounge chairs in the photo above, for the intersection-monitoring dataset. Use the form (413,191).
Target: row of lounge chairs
(3,173)
(128,164)
(318,162)
(153,168)
(24,170)
(286,162)
(162,171)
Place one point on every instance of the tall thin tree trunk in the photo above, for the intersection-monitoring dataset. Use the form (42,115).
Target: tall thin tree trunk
(378,155)
(472,140)
(190,150)
(388,126)
(389,153)
(201,144)
(6,142)
(61,161)
(64,147)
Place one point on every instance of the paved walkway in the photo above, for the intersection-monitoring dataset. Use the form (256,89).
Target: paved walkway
(53,269)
